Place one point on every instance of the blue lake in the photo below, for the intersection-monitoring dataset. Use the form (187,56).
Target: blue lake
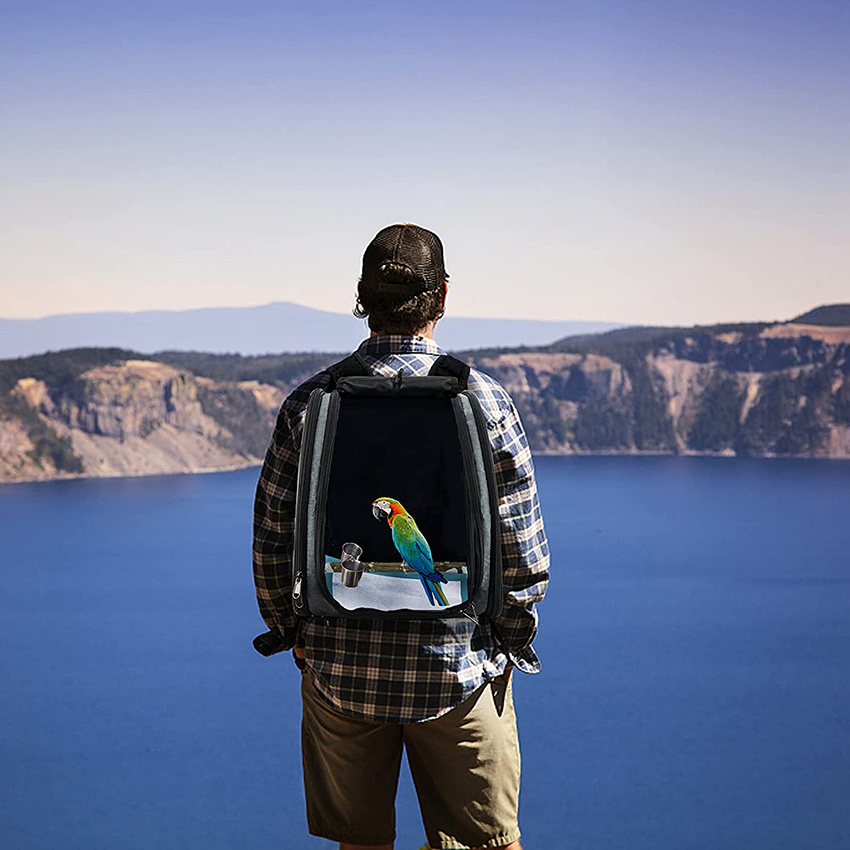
(695,645)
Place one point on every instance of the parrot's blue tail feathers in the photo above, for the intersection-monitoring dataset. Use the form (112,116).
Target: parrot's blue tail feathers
(441,597)
(435,577)
(427,585)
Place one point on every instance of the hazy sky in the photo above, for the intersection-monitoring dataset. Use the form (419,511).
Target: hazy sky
(653,162)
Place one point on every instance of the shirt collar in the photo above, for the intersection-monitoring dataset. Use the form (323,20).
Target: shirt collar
(399,344)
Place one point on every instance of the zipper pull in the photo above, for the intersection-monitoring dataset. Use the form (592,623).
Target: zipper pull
(397,382)
(296,591)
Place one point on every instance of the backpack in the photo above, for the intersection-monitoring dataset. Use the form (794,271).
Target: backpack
(396,510)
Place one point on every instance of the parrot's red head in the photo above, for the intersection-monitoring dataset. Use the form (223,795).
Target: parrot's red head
(388,509)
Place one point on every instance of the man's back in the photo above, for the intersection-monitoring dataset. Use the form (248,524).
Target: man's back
(407,670)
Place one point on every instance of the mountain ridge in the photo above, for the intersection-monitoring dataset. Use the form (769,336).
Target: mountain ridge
(827,314)
(276,327)
(747,389)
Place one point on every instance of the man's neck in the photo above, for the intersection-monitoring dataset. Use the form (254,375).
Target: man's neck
(427,332)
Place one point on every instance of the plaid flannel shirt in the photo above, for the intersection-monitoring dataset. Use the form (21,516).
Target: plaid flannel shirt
(405,670)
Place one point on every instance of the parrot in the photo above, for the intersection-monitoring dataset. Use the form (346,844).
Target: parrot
(412,546)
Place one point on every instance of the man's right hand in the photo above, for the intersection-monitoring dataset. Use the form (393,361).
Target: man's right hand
(269,643)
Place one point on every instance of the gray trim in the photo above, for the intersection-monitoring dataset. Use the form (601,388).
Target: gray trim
(490,502)
(323,454)
(313,496)
(483,506)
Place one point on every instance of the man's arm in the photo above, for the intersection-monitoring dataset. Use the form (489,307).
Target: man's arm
(274,526)
(525,549)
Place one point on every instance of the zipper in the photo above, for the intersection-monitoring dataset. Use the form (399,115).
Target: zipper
(322,494)
(302,500)
(473,500)
(462,609)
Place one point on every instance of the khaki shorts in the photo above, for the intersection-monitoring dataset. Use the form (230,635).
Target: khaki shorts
(465,766)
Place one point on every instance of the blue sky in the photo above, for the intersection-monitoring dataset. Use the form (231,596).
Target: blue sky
(642,162)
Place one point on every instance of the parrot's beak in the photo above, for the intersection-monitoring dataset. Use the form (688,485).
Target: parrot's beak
(381,513)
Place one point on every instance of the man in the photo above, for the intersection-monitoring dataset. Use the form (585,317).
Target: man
(455,717)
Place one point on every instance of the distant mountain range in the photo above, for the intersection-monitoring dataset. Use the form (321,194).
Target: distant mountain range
(745,389)
(270,329)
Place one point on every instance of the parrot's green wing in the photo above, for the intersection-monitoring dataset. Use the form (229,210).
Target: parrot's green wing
(423,547)
(409,539)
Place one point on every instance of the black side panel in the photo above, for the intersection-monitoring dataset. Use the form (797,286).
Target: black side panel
(495,597)
(473,501)
(302,500)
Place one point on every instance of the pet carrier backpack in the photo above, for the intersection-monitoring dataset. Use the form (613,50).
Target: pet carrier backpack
(396,506)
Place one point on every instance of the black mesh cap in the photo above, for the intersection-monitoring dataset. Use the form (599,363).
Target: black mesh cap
(404,259)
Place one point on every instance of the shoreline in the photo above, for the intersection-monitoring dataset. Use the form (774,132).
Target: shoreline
(227,468)
(257,464)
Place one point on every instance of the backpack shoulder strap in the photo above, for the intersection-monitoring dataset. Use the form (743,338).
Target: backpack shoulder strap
(451,367)
(354,364)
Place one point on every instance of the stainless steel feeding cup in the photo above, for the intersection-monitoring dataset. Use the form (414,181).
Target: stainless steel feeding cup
(352,567)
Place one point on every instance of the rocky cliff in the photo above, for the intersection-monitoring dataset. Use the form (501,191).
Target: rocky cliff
(132,417)
(781,389)
(757,389)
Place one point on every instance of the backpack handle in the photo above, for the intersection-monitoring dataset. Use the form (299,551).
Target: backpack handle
(444,366)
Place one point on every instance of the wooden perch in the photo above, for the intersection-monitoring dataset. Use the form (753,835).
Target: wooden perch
(396,567)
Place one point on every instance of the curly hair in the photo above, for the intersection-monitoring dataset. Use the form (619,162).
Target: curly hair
(390,312)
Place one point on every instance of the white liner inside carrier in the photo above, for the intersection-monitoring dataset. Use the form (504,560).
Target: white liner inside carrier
(395,590)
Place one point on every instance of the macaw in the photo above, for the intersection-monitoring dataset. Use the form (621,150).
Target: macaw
(412,546)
